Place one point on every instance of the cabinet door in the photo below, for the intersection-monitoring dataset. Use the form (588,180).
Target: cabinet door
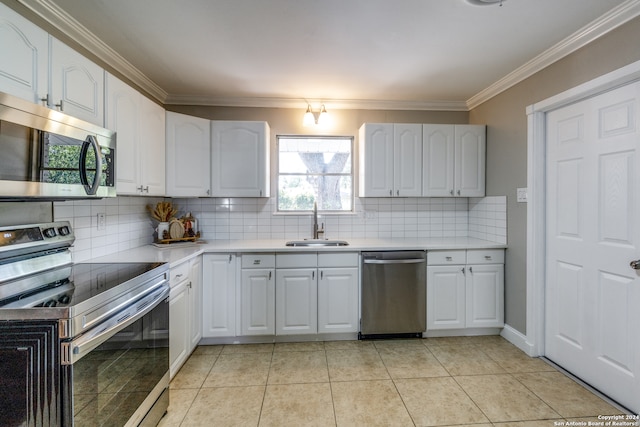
(195,302)
(258,302)
(470,147)
(25,57)
(152,154)
(485,295)
(218,295)
(76,84)
(437,160)
(338,300)
(446,297)
(121,115)
(407,160)
(188,156)
(178,327)
(239,159)
(296,301)
(376,160)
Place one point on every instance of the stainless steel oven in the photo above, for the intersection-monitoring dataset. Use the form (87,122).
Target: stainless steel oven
(81,344)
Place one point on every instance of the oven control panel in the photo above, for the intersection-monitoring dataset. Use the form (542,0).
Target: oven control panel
(33,235)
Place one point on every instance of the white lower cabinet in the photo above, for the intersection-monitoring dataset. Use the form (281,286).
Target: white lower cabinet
(178,325)
(316,293)
(296,301)
(185,308)
(219,295)
(258,293)
(465,289)
(338,299)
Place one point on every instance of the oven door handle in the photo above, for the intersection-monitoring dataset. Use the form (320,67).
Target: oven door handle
(74,350)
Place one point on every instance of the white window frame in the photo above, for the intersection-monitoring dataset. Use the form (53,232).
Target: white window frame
(352,173)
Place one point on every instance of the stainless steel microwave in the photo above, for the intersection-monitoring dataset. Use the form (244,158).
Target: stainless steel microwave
(49,155)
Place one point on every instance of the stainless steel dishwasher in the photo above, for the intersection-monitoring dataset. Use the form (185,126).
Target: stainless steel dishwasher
(393,294)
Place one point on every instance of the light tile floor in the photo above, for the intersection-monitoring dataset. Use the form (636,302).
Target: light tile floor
(458,381)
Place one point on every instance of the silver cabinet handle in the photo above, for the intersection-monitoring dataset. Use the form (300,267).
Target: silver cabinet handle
(61,105)
(45,100)
(458,192)
(230,258)
(471,270)
(269,275)
(451,192)
(397,192)
(635,264)
(390,193)
(395,261)
(462,270)
(449,258)
(487,257)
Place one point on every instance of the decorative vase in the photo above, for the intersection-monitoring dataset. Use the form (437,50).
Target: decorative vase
(161,229)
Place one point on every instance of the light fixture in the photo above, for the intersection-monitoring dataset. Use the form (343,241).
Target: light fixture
(319,118)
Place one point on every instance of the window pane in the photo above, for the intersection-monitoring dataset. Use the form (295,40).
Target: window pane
(298,192)
(315,169)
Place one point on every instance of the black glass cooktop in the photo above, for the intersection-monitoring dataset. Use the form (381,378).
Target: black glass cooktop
(75,284)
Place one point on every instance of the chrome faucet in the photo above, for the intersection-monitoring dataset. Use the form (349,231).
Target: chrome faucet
(318,233)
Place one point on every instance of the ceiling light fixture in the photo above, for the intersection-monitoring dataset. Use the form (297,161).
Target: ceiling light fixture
(319,118)
(485,2)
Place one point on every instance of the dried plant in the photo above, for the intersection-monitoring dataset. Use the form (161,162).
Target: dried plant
(163,212)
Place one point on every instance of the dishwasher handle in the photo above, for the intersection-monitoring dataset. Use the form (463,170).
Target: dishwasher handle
(395,261)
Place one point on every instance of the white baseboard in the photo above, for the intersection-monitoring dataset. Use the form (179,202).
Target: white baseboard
(518,339)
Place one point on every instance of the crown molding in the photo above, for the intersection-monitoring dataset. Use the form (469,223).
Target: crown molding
(57,17)
(607,22)
(350,104)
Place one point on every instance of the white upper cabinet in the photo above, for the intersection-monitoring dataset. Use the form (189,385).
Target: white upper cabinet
(454,160)
(390,160)
(188,156)
(470,153)
(407,160)
(76,84)
(140,128)
(240,159)
(25,57)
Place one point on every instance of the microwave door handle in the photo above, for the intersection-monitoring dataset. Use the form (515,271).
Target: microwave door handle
(91,141)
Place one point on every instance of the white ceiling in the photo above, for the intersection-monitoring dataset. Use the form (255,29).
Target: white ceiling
(379,53)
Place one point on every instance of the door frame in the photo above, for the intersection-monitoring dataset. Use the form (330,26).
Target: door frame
(536,207)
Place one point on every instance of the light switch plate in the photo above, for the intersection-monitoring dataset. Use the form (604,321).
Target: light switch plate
(521,195)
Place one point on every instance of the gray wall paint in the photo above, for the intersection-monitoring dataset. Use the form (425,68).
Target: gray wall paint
(507,142)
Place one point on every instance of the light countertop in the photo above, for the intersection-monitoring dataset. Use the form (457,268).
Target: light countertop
(175,254)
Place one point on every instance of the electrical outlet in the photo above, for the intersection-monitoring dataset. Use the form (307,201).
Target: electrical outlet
(521,195)
(102,222)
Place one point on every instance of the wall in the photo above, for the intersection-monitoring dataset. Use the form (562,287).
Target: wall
(507,141)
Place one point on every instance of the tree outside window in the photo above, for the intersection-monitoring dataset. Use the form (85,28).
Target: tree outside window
(315,169)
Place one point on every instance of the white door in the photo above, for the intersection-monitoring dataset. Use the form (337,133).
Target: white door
(445,297)
(24,62)
(258,302)
(338,300)
(407,158)
(188,152)
(437,160)
(239,159)
(77,84)
(218,295)
(470,153)
(296,301)
(376,160)
(592,294)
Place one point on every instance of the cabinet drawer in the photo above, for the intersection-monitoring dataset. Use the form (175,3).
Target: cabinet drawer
(258,261)
(179,274)
(485,256)
(296,260)
(349,259)
(446,257)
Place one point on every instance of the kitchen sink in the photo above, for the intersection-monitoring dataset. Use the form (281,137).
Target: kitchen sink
(317,242)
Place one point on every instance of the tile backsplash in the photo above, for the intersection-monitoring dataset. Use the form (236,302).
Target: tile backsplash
(128,224)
